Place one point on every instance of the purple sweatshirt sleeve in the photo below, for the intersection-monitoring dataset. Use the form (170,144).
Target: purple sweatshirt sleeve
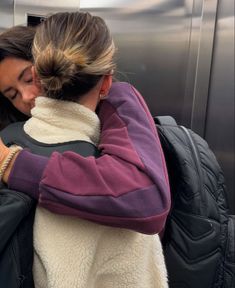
(126,187)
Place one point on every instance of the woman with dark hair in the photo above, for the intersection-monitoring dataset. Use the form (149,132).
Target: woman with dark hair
(15,42)
(74,72)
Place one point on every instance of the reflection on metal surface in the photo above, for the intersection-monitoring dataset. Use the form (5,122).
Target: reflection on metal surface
(6,14)
(204,62)
(220,128)
(153,46)
(194,44)
(41,8)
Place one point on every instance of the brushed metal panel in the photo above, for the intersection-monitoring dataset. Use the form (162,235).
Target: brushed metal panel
(204,60)
(6,14)
(41,8)
(192,62)
(153,47)
(220,115)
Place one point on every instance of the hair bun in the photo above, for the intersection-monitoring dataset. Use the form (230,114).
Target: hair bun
(54,69)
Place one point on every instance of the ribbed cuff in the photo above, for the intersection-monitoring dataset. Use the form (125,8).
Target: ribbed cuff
(27,172)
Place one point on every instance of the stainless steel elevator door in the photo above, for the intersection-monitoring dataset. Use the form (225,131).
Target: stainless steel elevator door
(153,47)
(220,125)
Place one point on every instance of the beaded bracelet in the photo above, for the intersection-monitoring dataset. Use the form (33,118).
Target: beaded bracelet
(7,160)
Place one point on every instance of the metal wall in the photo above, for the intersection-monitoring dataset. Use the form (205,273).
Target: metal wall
(153,39)
(178,53)
(6,14)
(219,129)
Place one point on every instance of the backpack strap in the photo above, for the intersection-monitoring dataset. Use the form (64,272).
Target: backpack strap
(14,134)
(165,121)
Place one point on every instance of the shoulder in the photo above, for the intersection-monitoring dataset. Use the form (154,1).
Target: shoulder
(123,92)
(9,133)
(126,103)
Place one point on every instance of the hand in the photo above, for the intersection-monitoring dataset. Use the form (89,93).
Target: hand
(4,151)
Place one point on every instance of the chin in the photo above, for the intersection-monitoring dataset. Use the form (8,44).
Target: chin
(27,113)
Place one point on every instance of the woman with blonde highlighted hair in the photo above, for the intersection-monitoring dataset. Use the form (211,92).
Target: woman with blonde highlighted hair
(73,66)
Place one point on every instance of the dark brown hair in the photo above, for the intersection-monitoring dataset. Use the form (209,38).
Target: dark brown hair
(72,51)
(15,42)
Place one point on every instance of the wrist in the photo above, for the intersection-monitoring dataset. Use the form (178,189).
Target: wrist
(7,163)
(7,172)
(4,152)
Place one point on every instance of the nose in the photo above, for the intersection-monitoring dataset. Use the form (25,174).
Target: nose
(27,96)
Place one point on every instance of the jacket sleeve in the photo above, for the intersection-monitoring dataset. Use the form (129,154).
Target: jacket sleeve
(126,187)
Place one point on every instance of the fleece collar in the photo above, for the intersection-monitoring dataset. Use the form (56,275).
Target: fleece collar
(55,121)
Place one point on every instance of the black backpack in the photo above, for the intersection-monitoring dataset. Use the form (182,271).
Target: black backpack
(17,212)
(199,236)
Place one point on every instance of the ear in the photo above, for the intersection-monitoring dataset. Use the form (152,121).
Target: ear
(106,85)
(36,80)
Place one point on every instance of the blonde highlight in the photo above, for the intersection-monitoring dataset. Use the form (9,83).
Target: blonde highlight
(83,50)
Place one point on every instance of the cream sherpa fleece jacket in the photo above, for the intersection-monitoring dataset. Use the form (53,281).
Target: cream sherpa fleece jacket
(74,253)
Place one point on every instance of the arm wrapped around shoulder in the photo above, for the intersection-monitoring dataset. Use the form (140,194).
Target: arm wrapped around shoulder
(127,186)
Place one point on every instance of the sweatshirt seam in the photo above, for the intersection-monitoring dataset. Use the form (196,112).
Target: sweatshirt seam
(129,138)
(97,195)
(161,214)
(155,131)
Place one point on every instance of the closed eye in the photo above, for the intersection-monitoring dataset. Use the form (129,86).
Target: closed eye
(11,93)
(29,80)
(12,98)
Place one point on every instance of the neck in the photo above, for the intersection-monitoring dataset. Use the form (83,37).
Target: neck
(90,100)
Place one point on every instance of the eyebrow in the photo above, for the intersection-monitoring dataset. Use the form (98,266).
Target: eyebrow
(18,78)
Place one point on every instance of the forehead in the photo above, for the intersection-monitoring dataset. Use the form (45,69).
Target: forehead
(10,70)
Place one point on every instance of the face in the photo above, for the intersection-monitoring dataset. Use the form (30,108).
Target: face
(17,85)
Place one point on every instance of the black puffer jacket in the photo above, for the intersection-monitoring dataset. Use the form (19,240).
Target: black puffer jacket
(199,236)
(16,239)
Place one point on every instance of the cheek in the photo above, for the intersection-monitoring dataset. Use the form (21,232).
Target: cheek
(31,92)
(36,90)
(22,107)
